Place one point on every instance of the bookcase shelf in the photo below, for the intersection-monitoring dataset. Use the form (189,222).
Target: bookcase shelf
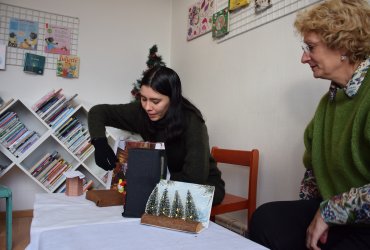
(49,141)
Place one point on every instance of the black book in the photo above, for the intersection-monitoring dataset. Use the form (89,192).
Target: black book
(144,171)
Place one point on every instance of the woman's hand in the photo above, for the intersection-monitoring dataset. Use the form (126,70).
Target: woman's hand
(317,230)
(104,155)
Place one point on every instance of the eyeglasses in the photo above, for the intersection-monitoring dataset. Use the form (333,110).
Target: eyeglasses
(306,48)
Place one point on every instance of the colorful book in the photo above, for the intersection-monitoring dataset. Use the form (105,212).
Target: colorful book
(34,64)
(236,4)
(68,66)
(45,98)
(23,34)
(220,26)
(57,39)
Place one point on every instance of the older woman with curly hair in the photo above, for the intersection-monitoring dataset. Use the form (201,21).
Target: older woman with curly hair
(334,207)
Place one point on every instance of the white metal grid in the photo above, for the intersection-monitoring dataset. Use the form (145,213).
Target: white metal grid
(245,19)
(15,56)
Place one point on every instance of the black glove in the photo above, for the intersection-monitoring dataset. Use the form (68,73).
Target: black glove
(104,155)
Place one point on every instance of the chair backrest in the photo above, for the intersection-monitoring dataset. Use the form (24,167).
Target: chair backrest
(242,158)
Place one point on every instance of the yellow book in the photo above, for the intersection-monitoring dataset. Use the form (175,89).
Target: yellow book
(68,66)
(236,4)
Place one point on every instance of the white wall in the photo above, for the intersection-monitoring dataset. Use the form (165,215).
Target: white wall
(114,41)
(254,93)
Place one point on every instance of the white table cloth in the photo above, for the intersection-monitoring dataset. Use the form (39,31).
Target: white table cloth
(63,222)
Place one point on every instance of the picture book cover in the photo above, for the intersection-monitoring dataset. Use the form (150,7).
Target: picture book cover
(2,55)
(236,4)
(68,66)
(200,18)
(261,5)
(182,201)
(34,64)
(23,34)
(121,148)
(57,39)
(220,26)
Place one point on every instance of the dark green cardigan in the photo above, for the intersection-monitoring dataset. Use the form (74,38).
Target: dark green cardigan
(338,142)
(188,157)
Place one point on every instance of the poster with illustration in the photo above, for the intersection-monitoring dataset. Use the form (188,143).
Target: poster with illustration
(57,39)
(200,18)
(23,34)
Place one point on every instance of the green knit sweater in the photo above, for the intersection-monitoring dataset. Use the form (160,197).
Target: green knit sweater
(188,157)
(337,142)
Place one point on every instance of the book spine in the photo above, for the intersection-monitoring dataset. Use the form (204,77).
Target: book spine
(42,100)
(39,162)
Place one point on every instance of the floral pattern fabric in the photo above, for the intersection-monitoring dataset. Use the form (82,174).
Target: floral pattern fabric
(354,84)
(351,207)
(308,189)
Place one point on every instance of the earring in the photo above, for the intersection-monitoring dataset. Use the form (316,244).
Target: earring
(342,58)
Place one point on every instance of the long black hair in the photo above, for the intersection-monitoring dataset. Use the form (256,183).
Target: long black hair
(166,81)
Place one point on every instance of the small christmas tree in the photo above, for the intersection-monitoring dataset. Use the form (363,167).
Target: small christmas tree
(153,60)
(191,212)
(152,204)
(164,204)
(177,210)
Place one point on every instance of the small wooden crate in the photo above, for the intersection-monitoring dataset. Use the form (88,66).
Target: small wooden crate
(74,186)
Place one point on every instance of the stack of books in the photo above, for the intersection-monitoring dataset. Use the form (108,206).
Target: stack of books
(14,135)
(49,170)
(54,107)
(75,136)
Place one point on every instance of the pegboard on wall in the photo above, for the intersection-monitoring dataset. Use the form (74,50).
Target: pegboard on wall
(15,56)
(246,19)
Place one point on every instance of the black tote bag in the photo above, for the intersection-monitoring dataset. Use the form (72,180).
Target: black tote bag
(145,168)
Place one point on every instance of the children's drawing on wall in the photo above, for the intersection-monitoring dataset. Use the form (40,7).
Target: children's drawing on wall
(23,34)
(200,18)
(261,5)
(57,39)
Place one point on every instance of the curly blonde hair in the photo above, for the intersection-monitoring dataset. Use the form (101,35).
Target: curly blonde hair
(341,24)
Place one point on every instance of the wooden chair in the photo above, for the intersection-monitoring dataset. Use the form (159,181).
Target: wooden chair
(6,192)
(232,203)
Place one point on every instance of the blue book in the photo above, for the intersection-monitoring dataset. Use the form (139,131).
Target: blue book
(34,64)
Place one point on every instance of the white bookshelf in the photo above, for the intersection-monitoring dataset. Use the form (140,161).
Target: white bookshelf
(47,143)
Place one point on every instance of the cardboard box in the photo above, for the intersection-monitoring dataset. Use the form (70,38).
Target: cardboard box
(74,186)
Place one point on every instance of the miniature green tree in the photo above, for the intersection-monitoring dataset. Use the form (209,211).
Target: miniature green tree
(152,204)
(191,212)
(177,210)
(153,60)
(164,204)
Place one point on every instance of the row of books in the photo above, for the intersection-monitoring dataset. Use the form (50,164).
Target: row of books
(14,135)
(75,136)
(54,107)
(49,169)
